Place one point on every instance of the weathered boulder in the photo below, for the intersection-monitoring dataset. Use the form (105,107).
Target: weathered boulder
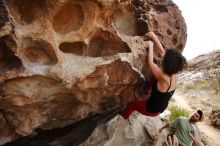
(139,130)
(215,118)
(62,61)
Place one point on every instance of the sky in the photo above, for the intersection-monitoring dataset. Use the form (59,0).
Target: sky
(203,26)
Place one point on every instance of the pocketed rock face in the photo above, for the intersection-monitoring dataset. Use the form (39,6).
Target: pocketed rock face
(62,61)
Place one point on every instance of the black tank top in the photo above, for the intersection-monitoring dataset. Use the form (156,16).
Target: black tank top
(158,101)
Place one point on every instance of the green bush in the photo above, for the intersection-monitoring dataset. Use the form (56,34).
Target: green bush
(176,111)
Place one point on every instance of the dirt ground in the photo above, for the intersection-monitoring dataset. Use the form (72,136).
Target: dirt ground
(205,100)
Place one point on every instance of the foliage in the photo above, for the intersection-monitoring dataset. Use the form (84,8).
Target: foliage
(176,111)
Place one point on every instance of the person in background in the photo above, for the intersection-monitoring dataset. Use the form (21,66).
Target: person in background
(186,130)
(166,79)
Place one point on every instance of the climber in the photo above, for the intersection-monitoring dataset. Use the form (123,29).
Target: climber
(166,80)
(185,129)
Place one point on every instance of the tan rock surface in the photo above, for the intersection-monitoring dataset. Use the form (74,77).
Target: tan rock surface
(62,61)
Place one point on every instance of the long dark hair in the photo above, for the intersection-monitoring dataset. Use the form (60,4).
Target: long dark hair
(173,62)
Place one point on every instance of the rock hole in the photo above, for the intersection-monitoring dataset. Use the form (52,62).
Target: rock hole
(128,21)
(40,52)
(161,8)
(69,18)
(125,22)
(144,17)
(74,48)
(8,60)
(28,10)
(138,3)
(104,43)
(142,27)
(169,32)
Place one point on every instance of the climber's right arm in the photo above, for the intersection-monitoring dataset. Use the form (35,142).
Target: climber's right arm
(154,68)
(157,42)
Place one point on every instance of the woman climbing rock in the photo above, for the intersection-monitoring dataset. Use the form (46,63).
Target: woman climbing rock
(166,79)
